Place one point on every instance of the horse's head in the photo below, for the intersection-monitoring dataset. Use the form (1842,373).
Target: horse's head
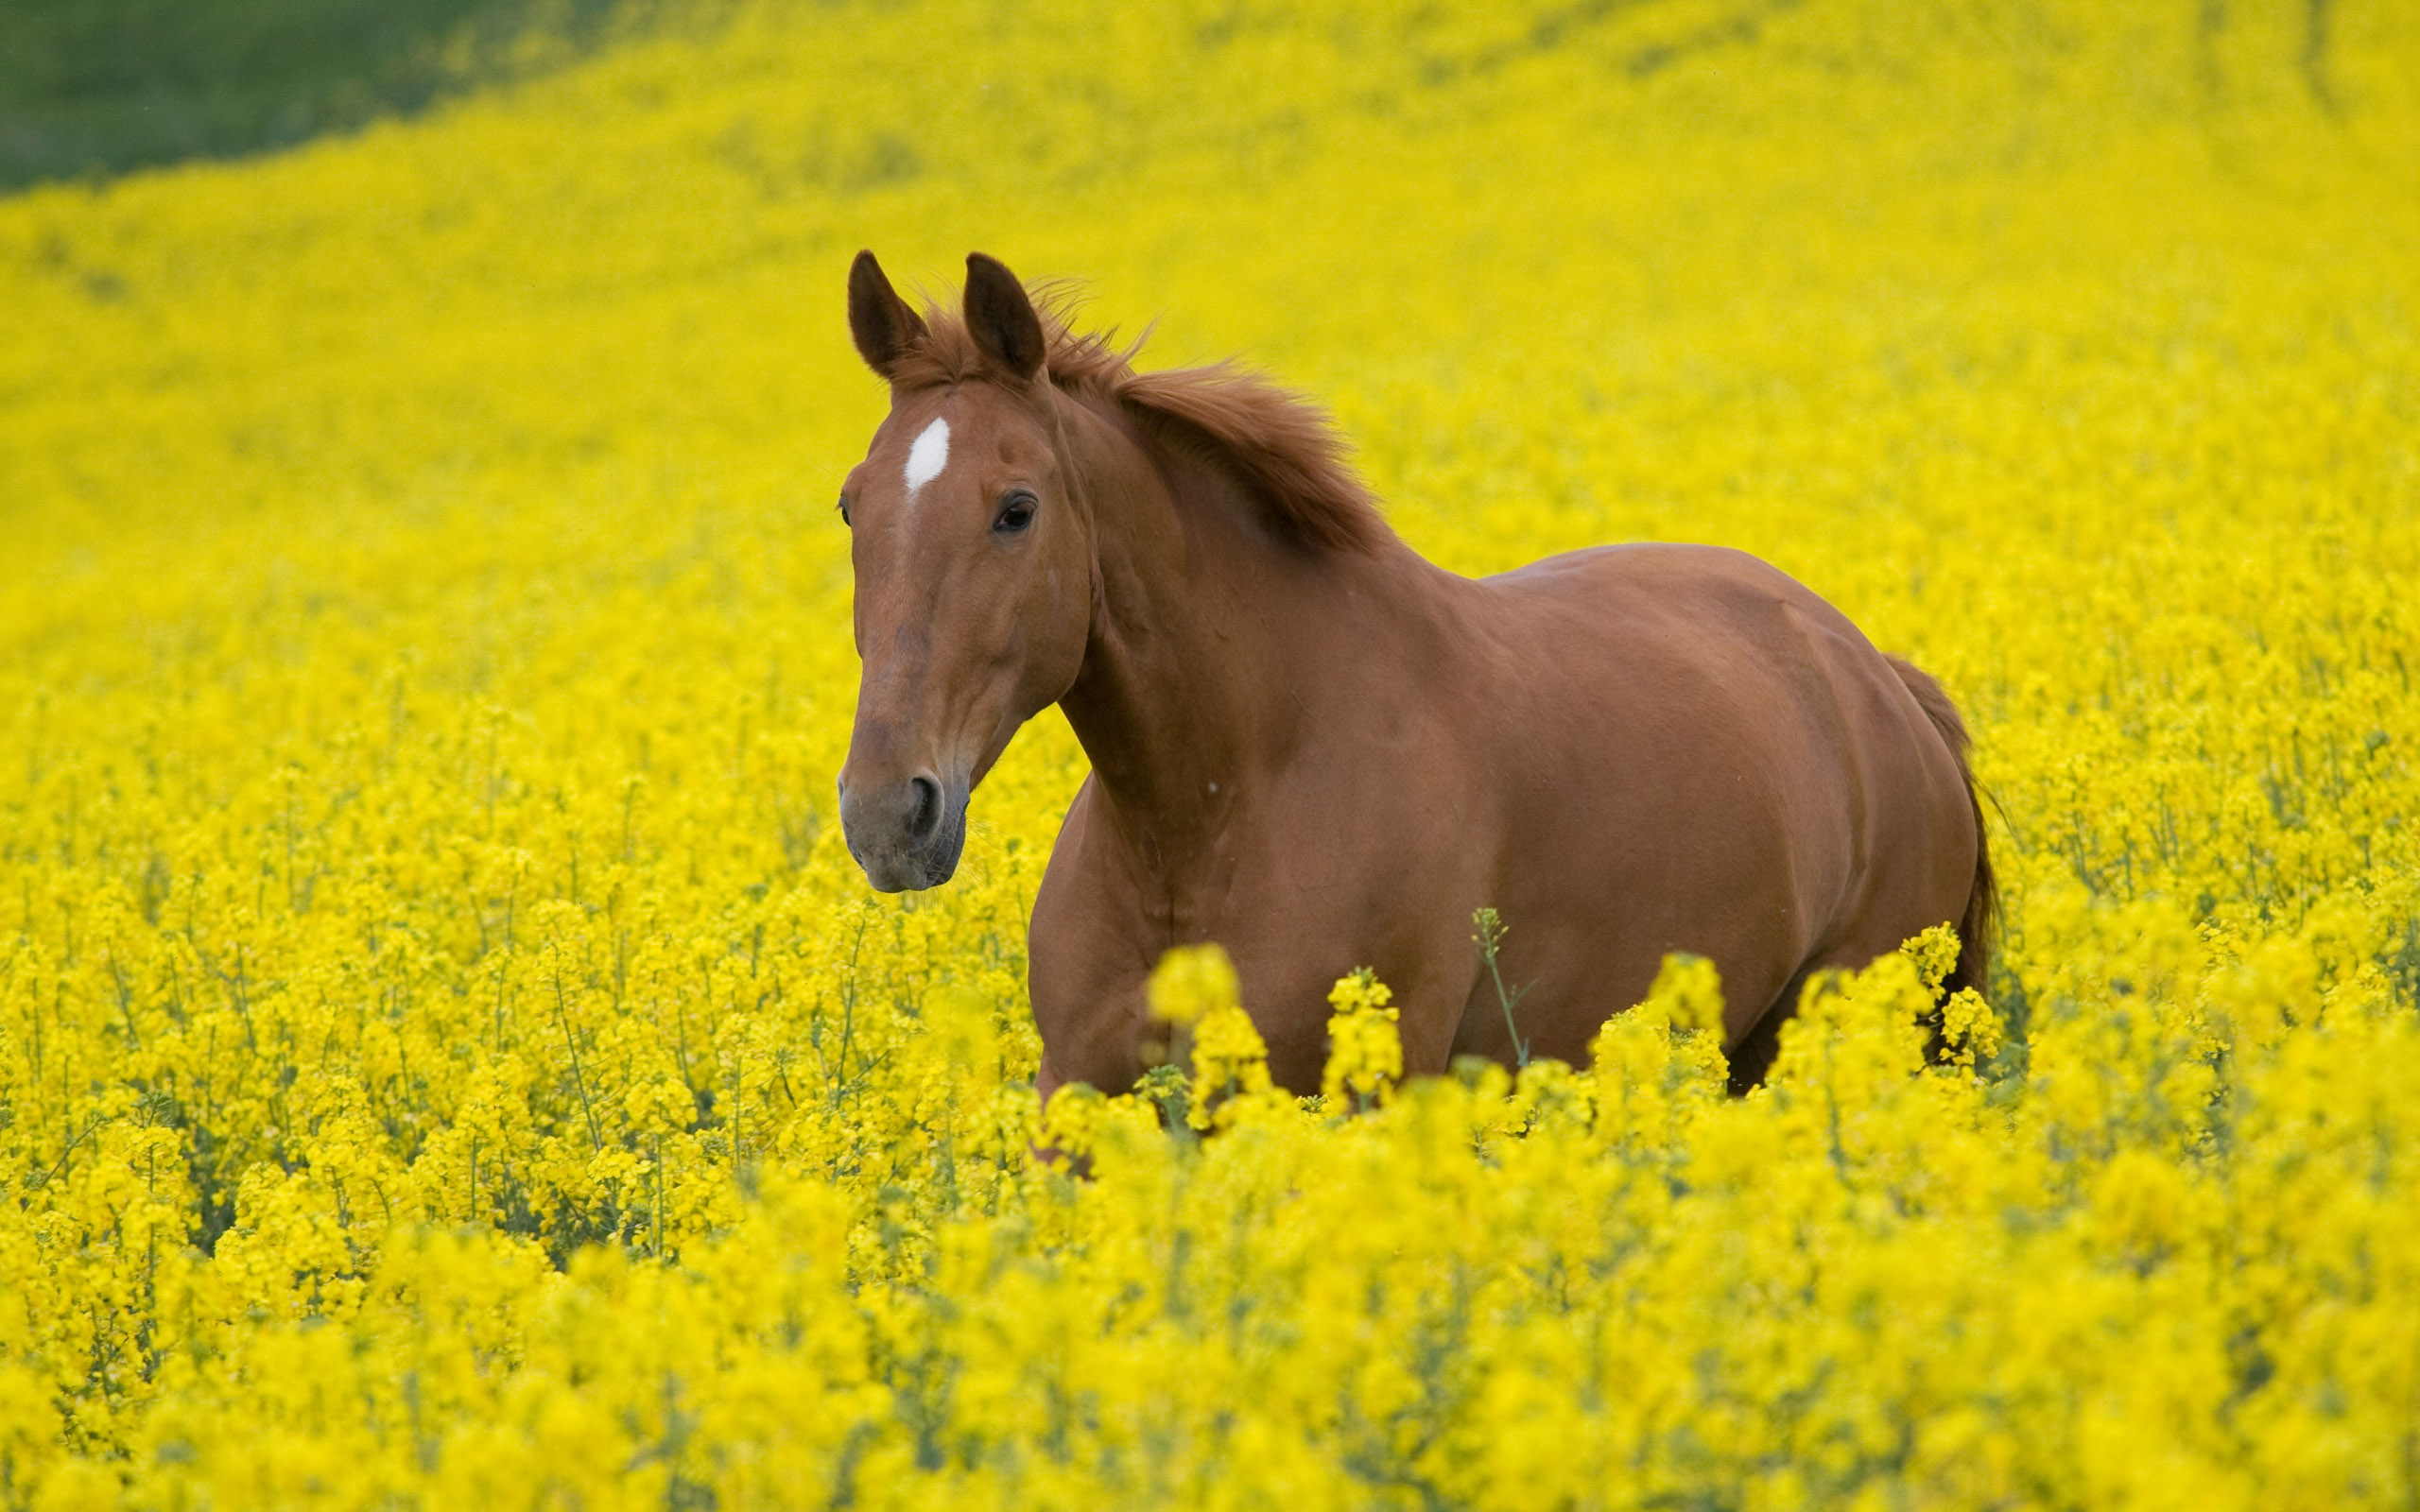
(973,568)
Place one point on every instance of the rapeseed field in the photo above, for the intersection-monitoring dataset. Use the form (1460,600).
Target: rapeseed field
(448,1059)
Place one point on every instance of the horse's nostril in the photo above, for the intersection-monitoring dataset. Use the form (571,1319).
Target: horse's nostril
(927,814)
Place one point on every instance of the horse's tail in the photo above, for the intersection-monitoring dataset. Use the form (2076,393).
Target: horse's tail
(1980,922)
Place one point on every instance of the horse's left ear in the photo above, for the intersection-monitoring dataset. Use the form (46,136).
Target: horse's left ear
(1001,317)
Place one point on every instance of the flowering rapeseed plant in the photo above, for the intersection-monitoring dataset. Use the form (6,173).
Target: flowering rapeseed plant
(1365,1053)
(448,1059)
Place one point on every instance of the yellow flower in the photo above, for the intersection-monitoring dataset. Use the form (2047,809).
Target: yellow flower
(1365,1053)
(1191,984)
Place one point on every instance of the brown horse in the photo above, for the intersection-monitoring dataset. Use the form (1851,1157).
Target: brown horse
(1317,748)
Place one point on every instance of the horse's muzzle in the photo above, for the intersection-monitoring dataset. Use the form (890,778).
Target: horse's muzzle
(905,834)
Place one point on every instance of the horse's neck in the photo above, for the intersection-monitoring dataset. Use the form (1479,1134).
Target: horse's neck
(1191,690)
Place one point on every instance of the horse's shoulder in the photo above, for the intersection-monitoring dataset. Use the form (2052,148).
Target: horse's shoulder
(1079,941)
(1073,875)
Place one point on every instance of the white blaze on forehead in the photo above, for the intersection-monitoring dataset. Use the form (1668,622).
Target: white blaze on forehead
(926,458)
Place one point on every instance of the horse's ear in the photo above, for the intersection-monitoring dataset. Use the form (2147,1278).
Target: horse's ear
(1001,318)
(879,319)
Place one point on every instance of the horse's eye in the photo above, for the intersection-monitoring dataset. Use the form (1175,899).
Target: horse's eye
(1017,513)
(844,508)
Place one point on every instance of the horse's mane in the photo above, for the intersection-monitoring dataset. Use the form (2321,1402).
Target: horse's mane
(1282,445)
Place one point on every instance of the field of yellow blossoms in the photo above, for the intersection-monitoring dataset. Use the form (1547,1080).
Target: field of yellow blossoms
(448,1059)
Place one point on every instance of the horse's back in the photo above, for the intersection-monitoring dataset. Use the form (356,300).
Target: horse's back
(1703,742)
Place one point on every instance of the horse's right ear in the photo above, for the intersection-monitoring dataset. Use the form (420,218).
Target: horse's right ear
(879,319)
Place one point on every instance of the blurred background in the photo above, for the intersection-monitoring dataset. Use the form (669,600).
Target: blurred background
(90,88)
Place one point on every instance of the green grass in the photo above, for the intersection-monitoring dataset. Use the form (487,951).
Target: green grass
(90,88)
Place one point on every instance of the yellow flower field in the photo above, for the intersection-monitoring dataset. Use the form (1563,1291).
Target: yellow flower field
(449,1059)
